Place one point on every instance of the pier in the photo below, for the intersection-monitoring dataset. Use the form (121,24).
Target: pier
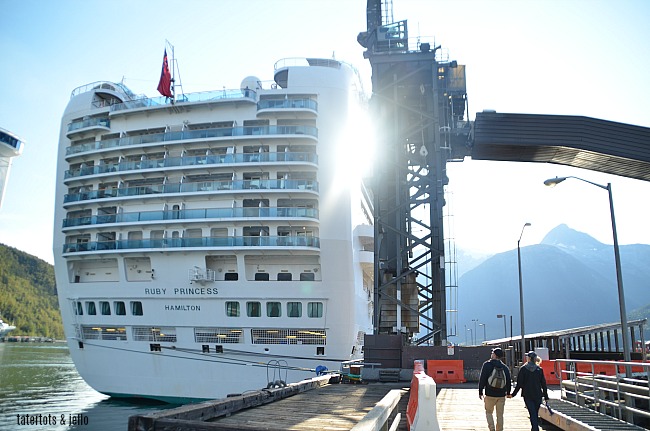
(317,406)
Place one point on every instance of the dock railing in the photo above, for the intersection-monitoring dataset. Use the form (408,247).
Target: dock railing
(617,389)
(382,416)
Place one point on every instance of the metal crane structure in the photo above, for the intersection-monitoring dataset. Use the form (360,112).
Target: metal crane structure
(419,105)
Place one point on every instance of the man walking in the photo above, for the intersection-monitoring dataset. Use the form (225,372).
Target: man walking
(532,383)
(495,381)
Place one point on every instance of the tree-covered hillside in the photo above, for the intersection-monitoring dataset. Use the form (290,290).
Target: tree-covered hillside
(28,294)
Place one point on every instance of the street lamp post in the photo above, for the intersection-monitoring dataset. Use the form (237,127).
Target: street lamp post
(471,335)
(505,329)
(484,336)
(475,336)
(617,258)
(521,296)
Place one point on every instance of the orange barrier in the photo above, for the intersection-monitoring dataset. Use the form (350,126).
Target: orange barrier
(553,371)
(607,369)
(602,369)
(412,406)
(446,370)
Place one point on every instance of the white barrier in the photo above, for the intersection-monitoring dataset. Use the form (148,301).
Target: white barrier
(421,412)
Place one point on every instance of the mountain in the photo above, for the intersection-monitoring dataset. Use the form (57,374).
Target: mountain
(568,280)
(28,294)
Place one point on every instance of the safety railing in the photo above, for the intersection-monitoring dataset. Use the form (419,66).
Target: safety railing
(617,389)
(171,162)
(200,242)
(184,135)
(192,214)
(203,186)
(382,416)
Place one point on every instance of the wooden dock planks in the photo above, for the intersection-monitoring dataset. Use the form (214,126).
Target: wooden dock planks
(339,407)
(331,408)
(460,409)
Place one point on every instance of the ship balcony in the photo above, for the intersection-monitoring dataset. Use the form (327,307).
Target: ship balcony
(207,187)
(198,215)
(185,244)
(220,133)
(365,233)
(88,125)
(367,261)
(195,161)
(296,108)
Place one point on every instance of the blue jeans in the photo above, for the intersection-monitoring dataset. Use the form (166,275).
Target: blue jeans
(533,411)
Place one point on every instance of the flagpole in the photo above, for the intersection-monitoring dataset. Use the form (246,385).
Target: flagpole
(173,71)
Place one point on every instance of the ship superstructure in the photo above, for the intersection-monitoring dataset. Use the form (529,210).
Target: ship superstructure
(210,244)
(10,146)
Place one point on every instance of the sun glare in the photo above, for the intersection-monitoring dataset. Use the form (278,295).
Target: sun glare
(356,148)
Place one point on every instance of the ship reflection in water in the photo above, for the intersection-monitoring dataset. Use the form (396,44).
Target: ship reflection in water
(40,389)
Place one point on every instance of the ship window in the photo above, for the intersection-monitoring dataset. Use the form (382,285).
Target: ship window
(273,309)
(218,335)
(307,276)
(284,276)
(90,308)
(289,336)
(78,309)
(231,276)
(261,276)
(136,308)
(253,309)
(120,308)
(232,308)
(103,333)
(158,334)
(105,308)
(320,351)
(315,309)
(294,309)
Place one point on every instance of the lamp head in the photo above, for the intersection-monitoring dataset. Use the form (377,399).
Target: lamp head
(552,182)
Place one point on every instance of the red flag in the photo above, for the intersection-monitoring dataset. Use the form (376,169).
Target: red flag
(165,79)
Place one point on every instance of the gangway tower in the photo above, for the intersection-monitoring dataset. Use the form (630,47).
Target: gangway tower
(418,105)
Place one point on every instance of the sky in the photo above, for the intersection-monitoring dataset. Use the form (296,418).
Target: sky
(570,57)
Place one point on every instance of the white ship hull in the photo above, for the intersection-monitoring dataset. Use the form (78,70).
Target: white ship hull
(212,246)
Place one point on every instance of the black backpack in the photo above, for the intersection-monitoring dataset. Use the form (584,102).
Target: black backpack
(497,378)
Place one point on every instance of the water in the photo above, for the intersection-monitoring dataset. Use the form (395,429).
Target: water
(40,379)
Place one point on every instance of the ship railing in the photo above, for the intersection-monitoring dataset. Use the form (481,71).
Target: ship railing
(193,214)
(89,122)
(169,137)
(302,103)
(206,160)
(199,242)
(103,85)
(205,96)
(614,388)
(204,186)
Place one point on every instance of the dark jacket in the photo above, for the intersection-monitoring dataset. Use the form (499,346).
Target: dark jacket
(532,383)
(486,370)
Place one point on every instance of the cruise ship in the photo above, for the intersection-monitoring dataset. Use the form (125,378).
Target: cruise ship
(5,328)
(211,243)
